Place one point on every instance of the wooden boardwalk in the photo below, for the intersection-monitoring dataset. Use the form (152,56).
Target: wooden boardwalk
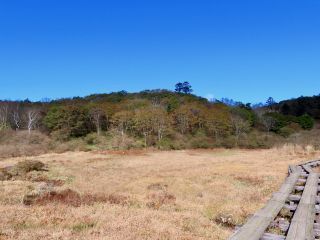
(292,213)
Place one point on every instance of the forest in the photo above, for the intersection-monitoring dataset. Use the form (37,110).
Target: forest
(160,118)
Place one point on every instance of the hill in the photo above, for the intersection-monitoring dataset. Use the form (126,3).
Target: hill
(300,106)
(155,118)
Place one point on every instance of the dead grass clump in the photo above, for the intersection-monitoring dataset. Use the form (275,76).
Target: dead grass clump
(70,197)
(158,187)
(117,199)
(20,170)
(27,166)
(40,190)
(90,199)
(159,195)
(3,235)
(83,226)
(159,198)
(67,197)
(226,220)
(35,176)
(4,174)
(250,180)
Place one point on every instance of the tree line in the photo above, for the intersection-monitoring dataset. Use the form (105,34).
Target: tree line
(154,116)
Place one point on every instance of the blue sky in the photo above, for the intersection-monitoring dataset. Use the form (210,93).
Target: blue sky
(247,50)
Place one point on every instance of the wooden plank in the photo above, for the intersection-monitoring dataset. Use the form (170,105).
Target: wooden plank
(290,207)
(294,198)
(256,226)
(308,169)
(292,169)
(270,236)
(299,188)
(301,227)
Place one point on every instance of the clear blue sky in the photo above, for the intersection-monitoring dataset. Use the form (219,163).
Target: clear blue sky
(246,50)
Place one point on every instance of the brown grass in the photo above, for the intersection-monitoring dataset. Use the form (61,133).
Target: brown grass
(72,198)
(150,195)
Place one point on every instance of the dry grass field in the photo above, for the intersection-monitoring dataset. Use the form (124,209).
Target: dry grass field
(192,194)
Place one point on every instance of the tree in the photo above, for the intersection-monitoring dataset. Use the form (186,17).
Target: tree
(160,121)
(270,101)
(187,88)
(285,109)
(268,122)
(98,118)
(68,121)
(183,119)
(143,123)
(123,121)
(4,113)
(217,121)
(184,87)
(179,87)
(239,124)
(16,116)
(306,122)
(32,116)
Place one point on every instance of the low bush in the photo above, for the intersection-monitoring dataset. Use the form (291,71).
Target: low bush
(200,140)
(45,194)
(286,131)
(20,170)
(159,198)
(306,122)
(21,143)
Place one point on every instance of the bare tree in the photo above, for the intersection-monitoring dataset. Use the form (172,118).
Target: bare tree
(240,126)
(143,123)
(217,122)
(160,121)
(4,112)
(16,116)
(32,118)
(97,117)
(183,119)
(123,121)
(269,122)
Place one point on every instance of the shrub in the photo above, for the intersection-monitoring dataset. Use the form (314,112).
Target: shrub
(286,131)
(82,226)
(259,140)
(28,166)
(166,144)
(73,121)
(159,198)
(20,170)
(200,140)
(229,142)
(306,122)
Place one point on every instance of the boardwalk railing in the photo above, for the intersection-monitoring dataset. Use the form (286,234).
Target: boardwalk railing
(291,213)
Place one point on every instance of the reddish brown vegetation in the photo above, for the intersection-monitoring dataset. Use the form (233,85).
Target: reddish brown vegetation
(72,198)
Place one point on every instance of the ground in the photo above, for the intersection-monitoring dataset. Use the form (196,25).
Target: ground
(192,194)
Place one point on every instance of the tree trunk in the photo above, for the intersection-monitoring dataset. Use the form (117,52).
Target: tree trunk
(145,139)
